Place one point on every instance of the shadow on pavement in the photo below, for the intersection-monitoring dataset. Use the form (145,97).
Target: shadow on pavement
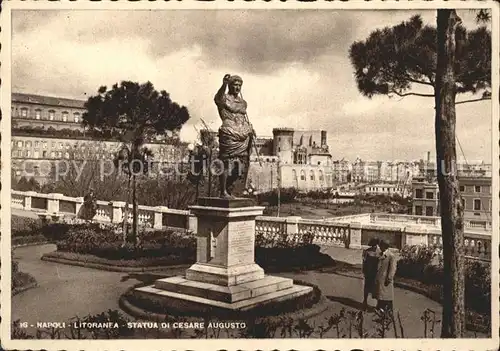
(350,303)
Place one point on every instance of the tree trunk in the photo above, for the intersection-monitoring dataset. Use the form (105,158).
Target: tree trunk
(453,324)
(125,215)
(135,236)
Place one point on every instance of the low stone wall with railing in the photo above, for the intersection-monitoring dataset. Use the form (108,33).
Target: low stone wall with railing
(348,231)
(52,204)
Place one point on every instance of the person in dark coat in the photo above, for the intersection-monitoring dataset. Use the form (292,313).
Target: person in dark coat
(370,265)
(384,281)
(89,207)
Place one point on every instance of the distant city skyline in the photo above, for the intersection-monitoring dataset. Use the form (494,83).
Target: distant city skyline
(292,78)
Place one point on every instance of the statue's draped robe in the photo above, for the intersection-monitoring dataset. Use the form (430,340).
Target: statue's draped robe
(234,135)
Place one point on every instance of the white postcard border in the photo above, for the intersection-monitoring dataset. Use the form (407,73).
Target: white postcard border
(246,344)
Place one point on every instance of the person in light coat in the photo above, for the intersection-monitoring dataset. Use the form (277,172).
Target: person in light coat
(384,281)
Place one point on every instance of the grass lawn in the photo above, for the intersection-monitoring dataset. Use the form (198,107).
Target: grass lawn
(321,210)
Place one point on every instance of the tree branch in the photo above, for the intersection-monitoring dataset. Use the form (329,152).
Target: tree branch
(472,100)
(407,77)
(419,81)
(411,94)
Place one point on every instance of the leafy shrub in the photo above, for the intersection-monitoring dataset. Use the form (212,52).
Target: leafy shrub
(416,263)
(106,241)
(413,261)
(478,286)
(19,279)
(58,231)
(23,226)
(87,238)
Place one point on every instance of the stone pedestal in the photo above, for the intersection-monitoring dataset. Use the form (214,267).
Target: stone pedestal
(225,274)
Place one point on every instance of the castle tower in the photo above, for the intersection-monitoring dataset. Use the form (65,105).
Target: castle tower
(283,144)
(323,138)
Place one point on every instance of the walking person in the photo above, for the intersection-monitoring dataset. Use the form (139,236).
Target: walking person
(384,281)
(370,265)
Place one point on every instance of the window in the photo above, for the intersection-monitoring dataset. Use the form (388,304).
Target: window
(37,143)
(279,148)
(19,143)
(418,210)
(312,175)
(477,189)
(65,116)
(321,175)
(28,144)
(462,188)
(44,144)
(60,146)
(19,153)
(52,115)
(76,117)
(24,112)
(52,154)
(302,175)
(429,211)
(36,154)
(294,174)
(44,154)
(463,203)
(429,195)
(419,193)
(28,153)
(38,114)
(477,205)
(66,154)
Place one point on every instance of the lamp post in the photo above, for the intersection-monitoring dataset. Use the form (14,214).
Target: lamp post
(279,185)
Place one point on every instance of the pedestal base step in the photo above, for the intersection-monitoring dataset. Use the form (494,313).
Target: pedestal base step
(230,294)
(190,303)
(224,276)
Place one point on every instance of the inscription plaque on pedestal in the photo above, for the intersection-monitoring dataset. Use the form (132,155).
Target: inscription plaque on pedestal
(241,243)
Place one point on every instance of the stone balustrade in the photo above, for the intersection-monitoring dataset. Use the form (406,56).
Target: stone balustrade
(109,212)
(348,231)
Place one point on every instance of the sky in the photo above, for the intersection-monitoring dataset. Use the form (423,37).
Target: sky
(294,64)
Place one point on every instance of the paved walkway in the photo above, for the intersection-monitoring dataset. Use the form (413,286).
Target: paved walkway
(66,291)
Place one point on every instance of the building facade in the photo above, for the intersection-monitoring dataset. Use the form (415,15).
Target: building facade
(381,189)
(39,152)
(475,195)
(36,111)
(425,197)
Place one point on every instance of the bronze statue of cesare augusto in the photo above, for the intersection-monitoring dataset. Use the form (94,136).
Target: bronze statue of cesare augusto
(236,136)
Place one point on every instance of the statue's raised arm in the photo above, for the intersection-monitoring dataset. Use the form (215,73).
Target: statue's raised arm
(220,95)
(235,134)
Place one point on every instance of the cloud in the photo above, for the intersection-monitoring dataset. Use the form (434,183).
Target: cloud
(294,65)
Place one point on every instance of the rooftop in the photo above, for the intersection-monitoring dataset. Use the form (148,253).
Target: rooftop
(47,100)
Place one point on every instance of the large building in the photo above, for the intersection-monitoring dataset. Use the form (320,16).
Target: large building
(475,194)
(46,129)
(46,112)
(292,158)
